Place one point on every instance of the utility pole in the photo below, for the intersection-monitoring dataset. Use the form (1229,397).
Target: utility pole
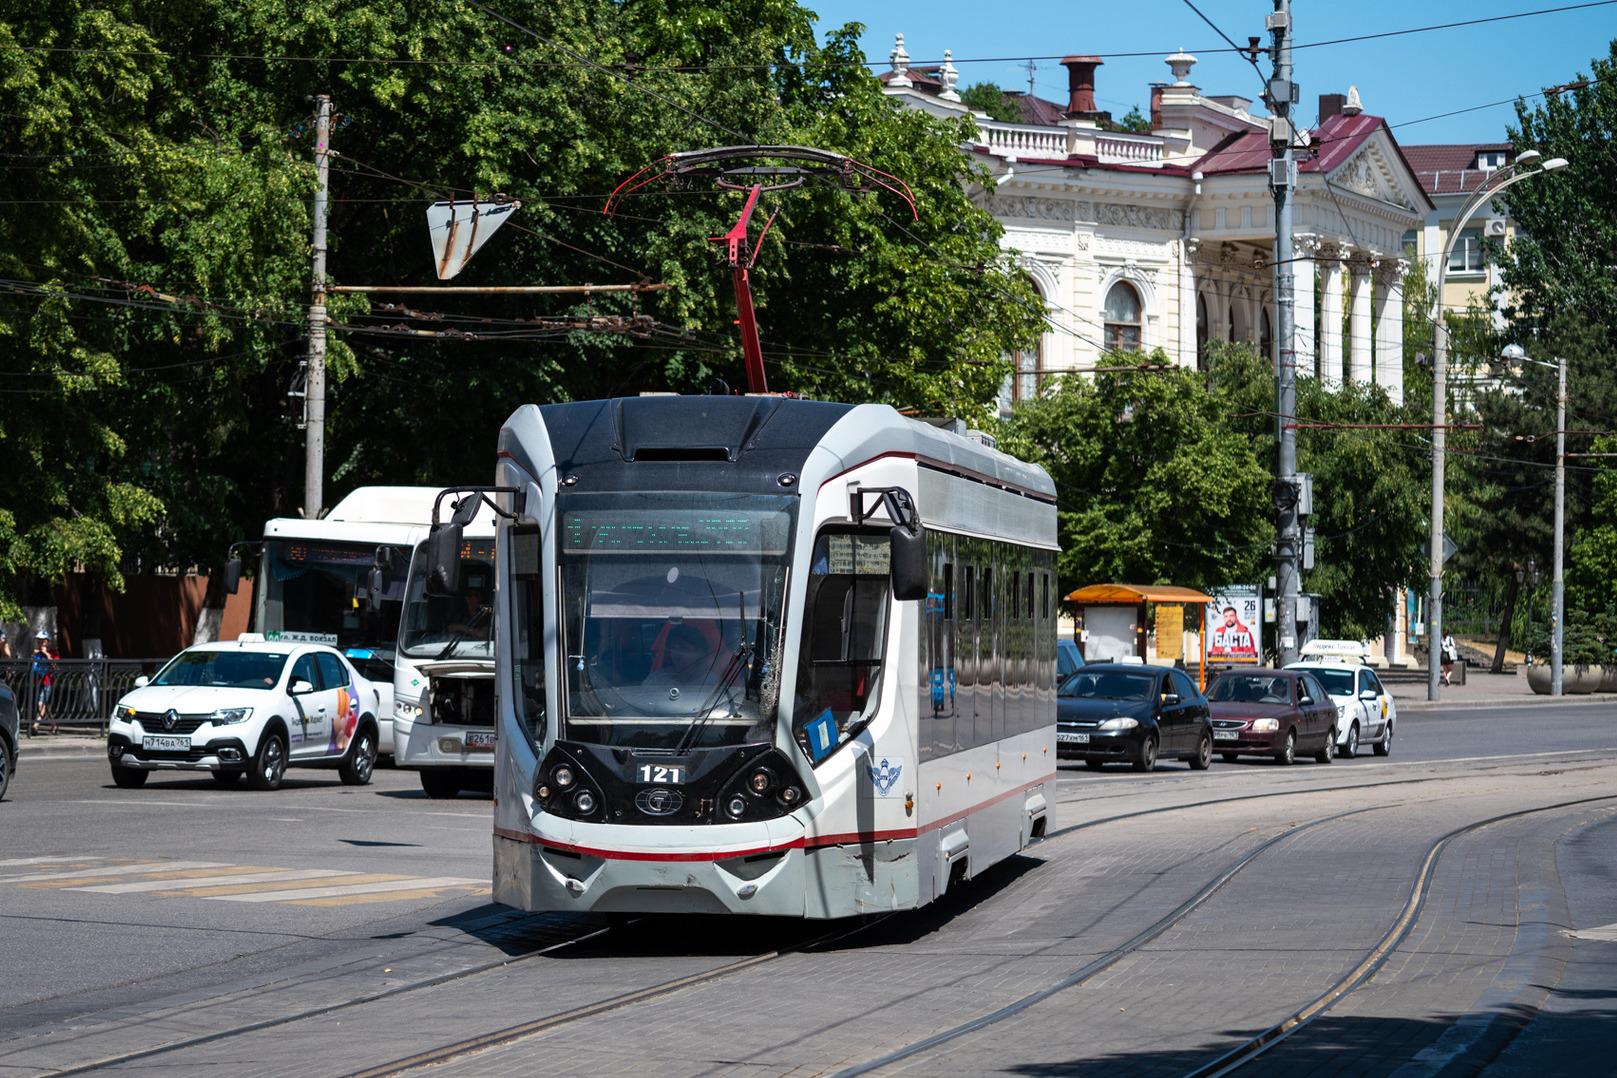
(314,434)
(1557,595)
(1282,93)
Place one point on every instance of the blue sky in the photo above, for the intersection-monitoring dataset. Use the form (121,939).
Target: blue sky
(1401,78)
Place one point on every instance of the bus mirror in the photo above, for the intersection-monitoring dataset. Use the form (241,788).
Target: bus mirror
(443,560)
(908,554)
(373,587)
(232,575)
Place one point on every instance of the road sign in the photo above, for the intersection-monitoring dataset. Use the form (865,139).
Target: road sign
(1450,548)
(459,230)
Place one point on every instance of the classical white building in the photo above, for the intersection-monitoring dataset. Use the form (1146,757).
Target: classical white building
(1165,239)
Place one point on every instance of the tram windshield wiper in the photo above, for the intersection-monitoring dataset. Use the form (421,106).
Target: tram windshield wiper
(731,671)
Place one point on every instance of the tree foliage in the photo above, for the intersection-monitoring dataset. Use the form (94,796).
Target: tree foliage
(155,230)
(990,98)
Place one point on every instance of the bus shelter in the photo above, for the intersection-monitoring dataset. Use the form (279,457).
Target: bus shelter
(1147,623)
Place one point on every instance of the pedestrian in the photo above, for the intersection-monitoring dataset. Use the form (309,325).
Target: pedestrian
(43,671)
(1450,653)
(5,645)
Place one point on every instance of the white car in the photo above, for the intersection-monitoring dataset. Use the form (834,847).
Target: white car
(1365,711)
(247,707)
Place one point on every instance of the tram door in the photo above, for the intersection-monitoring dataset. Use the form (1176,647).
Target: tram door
(997,668)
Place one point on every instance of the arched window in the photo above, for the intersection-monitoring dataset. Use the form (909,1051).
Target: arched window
(1266,335)
(1122,318)
(1201,333)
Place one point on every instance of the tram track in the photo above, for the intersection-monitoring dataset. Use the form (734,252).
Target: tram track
(545,1024)
(1235,1058)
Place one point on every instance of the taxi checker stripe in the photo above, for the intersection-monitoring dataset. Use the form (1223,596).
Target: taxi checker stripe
(225,878)
(355,889)
(116,870)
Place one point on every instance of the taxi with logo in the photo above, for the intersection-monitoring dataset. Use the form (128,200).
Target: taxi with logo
(249,708)
(1366,713)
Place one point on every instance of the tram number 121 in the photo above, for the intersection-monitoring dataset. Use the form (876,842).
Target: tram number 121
(658,773)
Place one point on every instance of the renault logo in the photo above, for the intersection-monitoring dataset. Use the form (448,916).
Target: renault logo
(659,801)
(170,717)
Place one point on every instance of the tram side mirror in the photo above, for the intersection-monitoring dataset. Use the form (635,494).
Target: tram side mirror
(232,579)
(443,560)
(908,561)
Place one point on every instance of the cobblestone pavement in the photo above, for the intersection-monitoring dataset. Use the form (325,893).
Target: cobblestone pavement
(1334,851)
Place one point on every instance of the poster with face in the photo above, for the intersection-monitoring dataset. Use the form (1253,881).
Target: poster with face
(1235,626)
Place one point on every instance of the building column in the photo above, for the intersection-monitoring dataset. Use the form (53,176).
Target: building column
(1187,303)
(1359,361)
(1330,319)
(1390,329)
(1303,248)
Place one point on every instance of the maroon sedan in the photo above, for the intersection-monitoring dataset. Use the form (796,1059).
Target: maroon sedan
(1276,713)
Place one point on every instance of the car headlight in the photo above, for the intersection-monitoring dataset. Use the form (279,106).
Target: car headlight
(1341,711)
(406,710)
(123,713)
(1118,725)
(227,715)
(1265,726)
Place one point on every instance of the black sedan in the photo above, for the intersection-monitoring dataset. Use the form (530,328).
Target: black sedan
(1116,712)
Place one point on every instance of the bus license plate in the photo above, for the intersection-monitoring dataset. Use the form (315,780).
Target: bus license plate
(160,743)
(1072,737)
(480,742)
(1226,735)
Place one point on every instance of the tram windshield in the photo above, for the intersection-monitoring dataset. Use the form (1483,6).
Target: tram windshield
(672,606)
(459,626)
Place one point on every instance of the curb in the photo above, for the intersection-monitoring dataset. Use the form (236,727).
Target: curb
(34,749)
(1497,703)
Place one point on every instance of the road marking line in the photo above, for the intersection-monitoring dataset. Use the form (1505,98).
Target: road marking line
(225,890)
(387,896)
(117,870)
(45,860)
(243,874)
(355,889)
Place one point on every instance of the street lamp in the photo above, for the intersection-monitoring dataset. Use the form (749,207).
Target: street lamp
(1514,355)
(1487,192)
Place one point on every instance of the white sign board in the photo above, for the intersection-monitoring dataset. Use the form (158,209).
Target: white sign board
(459,230)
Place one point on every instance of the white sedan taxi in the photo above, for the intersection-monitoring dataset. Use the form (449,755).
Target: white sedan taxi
(250,708)
(1365,711)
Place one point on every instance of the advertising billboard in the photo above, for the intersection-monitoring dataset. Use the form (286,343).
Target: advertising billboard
(1235,626)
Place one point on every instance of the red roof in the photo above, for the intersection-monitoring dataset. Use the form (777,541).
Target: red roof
(1333,142)
(1450,169)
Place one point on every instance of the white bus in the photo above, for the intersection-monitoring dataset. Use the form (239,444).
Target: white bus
(443,687)
(340,580)
(760,655)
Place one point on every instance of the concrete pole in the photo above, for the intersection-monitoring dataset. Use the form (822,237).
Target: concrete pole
(1558,596)
(1434,587)
(314,463)
(1282,178)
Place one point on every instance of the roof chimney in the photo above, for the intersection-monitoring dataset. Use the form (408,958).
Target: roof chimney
(1330,105)
(1081,86)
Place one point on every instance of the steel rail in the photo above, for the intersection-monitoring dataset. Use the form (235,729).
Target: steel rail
(1377,956)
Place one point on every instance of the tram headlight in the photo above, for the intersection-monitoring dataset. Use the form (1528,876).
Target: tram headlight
(760,781)
(584,802)
(737,807)
(563,776)
(791,796)
(542,793)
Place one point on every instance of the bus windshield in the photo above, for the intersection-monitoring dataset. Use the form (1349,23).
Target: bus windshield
(672,616)
(452,626)
(319,590)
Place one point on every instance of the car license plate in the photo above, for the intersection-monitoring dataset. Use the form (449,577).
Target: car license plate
(480,742)
(161,743)
(1226,735)
(1072,737)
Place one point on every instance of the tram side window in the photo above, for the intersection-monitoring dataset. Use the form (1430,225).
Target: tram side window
(528,641)
(844,638)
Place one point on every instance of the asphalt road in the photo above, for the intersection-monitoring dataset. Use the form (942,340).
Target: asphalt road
(136,918)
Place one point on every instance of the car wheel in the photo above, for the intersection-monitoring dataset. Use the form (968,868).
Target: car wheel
(269,764)
(1384,746)
(1094,765)
(1288,751)
(1146,758)
(5,767)
(1230,757)
(440,783)
(1350,747)
(128,778)
(360,762)
(1204,754)
(228,776)
(1327,751)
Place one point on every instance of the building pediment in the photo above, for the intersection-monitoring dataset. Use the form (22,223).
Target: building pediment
(1380,172)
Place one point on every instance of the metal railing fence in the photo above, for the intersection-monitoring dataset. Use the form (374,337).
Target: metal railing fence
(82,691)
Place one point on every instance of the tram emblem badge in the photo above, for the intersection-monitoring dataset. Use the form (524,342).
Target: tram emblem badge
(884,776)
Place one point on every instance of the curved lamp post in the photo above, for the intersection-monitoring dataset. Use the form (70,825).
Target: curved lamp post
(1513,356)
(1519,170)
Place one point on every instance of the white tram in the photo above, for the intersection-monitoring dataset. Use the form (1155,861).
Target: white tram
(761,655)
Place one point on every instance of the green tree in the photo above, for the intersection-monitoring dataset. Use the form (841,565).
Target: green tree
(1591,573)
(1134,121)
(988,97)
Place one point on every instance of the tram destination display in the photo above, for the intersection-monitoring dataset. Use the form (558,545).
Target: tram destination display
(643,531)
